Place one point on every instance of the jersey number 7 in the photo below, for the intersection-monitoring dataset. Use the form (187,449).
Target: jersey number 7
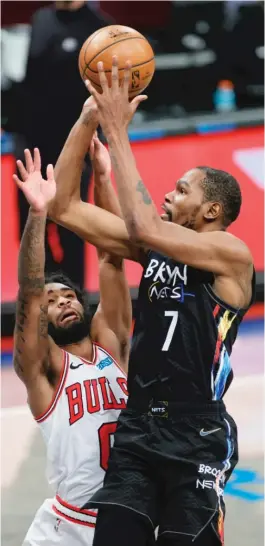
(171,329)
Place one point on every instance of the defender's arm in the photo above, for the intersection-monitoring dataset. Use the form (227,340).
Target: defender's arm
(33,349)
(112,321)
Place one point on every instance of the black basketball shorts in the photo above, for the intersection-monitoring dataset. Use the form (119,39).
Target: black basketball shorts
(169,465)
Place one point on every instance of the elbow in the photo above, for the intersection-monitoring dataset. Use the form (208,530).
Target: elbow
(139,233)
(56,211)
(136,238)
(116,262)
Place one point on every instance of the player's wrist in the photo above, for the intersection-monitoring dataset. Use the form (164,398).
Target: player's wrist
(38,212)
(116,134)
(101,178)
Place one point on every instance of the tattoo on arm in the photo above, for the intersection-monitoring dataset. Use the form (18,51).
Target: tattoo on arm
(31,255)
(21,318)
(142,189)
(87,117)
(31,285)
(43,321)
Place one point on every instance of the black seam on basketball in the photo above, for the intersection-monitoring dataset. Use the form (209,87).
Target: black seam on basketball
(90,41)
(93,81)
(110,45)
(134,66)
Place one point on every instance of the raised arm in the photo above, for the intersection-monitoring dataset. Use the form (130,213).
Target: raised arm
(217,252)
(112,321)
(69,167)
(91,223)
(33,349)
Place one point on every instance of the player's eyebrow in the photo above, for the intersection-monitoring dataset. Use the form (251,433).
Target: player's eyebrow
(181,181)
(60,289)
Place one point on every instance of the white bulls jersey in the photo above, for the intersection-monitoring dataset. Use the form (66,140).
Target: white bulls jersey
(78,429)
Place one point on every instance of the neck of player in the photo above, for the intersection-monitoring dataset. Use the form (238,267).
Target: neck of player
(83,349)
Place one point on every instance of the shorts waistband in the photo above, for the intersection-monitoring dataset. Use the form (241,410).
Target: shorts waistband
(73,513)
(165,408)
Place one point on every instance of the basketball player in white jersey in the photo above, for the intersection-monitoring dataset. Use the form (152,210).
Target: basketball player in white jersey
(69,363)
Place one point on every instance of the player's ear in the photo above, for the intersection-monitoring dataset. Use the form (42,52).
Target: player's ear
(212,211)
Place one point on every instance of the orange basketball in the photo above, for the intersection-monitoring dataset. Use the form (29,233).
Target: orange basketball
(128,45)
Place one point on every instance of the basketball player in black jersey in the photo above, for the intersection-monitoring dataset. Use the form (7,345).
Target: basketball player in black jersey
(176,445)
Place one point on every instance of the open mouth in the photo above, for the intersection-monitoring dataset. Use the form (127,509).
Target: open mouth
(68,316)
(166,215)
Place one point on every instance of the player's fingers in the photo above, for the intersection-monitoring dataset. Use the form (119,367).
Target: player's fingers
(19,182)
(92,149)
(37,159)
(115,74)
(29,161)
(137,100)
(22,171)
(96,143)
(127,77)
(92,91)
(50,173)
(102,77)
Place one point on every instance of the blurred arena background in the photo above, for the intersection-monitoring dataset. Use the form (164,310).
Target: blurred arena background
(205,107)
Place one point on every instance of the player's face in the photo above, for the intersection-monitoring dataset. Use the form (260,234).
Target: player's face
(66,316)
(184,205)
(63,305)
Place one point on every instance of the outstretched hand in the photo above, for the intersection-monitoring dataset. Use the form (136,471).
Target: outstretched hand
(115,111)
(38,192)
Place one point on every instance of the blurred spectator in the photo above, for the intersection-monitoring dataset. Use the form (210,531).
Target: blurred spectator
(243,51)
(49,102)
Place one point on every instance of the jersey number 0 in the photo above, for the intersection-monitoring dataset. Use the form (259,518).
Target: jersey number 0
(104,435)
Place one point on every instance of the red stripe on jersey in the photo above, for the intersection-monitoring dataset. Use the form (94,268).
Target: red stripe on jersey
(218,347)
(219,339)
(75,508)
(73,520)
(216,309)
(94,356)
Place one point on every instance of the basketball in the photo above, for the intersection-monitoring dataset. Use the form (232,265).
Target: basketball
(128,45)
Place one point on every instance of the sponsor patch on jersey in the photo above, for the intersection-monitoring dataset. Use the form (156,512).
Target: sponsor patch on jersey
(104,363)
(158,409)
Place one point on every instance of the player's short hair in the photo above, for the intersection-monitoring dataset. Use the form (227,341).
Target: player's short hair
(60,277)
(223,188)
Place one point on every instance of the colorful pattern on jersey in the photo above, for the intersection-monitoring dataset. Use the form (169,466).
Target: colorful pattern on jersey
(227,466)
(221,367)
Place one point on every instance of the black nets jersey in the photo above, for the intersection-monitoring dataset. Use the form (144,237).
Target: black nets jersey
(183,334)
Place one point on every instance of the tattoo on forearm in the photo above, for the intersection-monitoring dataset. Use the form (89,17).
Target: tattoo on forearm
(21,318)
(17,364)
(21,315)
(142,189)
(87,117)
(31,256)
(43,321)
(31,282)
